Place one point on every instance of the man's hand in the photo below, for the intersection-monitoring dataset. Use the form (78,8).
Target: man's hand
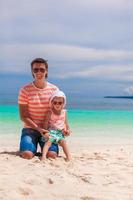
(46,136)
(42,131)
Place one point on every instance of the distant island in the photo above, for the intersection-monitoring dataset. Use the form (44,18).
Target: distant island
(122,97)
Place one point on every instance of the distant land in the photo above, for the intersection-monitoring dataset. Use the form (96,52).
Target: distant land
(120,97)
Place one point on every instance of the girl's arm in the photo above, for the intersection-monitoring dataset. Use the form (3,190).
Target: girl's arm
(67,129)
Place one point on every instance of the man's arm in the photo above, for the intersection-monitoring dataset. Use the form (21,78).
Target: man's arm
(48,115)
(24,115)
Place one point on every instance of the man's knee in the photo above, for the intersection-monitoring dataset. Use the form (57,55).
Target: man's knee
(26,154)
(51,154)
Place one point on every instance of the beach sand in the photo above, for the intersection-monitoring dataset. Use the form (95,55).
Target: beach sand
(98,171)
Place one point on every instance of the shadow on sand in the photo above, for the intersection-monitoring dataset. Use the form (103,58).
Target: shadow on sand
(14,153)
(17,153)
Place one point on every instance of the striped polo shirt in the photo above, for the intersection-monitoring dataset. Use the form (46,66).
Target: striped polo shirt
(37,101)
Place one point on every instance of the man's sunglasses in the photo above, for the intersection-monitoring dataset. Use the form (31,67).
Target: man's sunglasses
(57,102)
(36,70)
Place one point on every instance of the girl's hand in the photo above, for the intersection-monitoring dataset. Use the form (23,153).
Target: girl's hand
(66,132)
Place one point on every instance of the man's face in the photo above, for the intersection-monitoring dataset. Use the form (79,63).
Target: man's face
(39,71)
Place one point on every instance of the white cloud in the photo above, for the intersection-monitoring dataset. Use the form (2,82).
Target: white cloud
(104,72)
(97,23)
(45,29)
(59,52)
(17,58)
(67,52)
(128,90)
(32,7)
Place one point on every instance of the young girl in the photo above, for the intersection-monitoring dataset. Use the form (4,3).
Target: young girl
(57,125)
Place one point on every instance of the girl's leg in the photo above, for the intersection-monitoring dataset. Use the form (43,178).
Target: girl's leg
(53,149)
(45,150)
(63,144)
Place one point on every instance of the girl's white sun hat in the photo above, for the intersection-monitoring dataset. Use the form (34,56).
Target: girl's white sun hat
(58,93)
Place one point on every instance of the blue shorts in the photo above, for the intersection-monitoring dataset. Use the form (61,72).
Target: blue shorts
(30,138)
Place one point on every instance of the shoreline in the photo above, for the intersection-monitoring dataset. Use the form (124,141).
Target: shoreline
(12,140)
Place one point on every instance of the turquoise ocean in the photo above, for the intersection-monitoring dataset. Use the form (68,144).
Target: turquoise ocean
(88,116)
(105,117)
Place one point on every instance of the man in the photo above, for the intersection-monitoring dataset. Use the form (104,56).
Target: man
(33,103)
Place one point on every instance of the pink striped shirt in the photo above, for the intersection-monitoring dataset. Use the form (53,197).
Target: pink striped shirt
(37,101)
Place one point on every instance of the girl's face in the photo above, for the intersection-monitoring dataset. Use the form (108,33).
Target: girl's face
(57,103)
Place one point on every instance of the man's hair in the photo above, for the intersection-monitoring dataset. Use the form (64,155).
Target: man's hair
(39,60)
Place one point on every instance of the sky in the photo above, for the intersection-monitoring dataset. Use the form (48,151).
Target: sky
(89,42)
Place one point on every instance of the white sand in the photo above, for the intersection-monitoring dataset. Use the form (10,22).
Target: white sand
(99,170)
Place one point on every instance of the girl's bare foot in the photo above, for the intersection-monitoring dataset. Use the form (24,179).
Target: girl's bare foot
(42,158)
(67,159)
